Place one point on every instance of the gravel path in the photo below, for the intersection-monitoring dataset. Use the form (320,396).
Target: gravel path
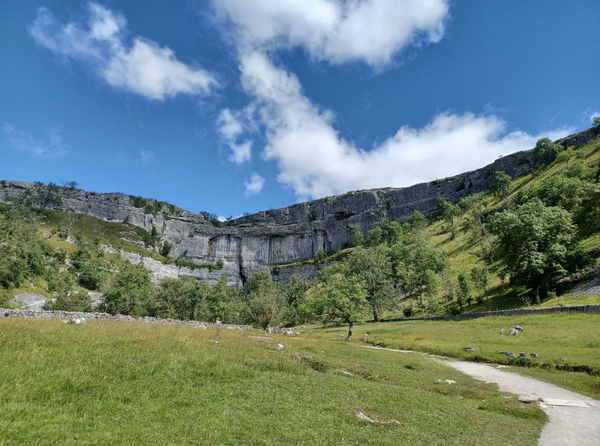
(574,418)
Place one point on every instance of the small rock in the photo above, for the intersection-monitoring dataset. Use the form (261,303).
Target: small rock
(393,422)
(528,398)
(297,333)
(303,326)
(345,371)
(341,336)
(513,332)
(524,355)
(289,333)
(280,346)
(511,354)
(77,321)
(535,355)
(216,342)
(201,327)
(518,328)
(447,381)
(363,417)
(469,349)
(502,331)
(563,359)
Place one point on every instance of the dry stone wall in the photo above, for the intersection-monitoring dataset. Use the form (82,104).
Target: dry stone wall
(288,235)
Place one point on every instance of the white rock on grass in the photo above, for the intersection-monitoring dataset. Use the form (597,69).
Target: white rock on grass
(280,346)
(447,381)
(363,417)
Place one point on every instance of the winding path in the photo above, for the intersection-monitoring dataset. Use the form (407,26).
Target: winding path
(574,418)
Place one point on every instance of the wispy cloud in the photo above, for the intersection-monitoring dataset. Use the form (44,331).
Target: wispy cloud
(255,185)
(141,67)
(147,157)
(53,148)
(231,127)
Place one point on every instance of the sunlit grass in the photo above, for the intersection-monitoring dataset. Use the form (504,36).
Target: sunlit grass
(574,337)
(125,384)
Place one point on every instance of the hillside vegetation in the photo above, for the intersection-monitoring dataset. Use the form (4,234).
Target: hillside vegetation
(512,247)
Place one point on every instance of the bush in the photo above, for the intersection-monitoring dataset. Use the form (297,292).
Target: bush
(72,301)
(545,152)
(166,248)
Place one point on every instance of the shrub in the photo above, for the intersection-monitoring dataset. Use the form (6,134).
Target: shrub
(545,152)
(166,248)
(137,202)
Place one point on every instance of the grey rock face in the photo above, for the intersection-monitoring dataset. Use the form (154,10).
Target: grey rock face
(282,236)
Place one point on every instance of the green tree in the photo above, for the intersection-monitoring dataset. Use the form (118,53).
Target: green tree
(181,298)
(357,236)
(219,302)
(129,293)
(545,152)
(481,279)
(411,260)
(264,300)
(567,193)
(449,212)
(392,232)
(537,242)
(338,297)
(501,186)
(373,267)
(42,195)
(71,301)
(596,121)
(294,298)
(374,236)
(465,288)
(22,253)
(418,221)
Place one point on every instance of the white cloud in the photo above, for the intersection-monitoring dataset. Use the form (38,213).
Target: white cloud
(590,117)
(231,128)
(255,185)
(146,156)
(54,148)
(337,31)
(316,161)
(143,67)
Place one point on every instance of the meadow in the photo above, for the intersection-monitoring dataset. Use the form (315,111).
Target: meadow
(125,384)
(570,342)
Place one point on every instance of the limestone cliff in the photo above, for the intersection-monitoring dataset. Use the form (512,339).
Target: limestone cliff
(287,235)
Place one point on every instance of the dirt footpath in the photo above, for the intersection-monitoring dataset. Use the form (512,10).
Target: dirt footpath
(574,418)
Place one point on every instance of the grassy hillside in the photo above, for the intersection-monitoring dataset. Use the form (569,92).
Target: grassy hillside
(126,384)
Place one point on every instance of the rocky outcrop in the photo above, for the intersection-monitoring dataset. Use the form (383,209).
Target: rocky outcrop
(288,235)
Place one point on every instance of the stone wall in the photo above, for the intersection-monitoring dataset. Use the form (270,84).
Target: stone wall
(595,309)
(291,234)
(70,316)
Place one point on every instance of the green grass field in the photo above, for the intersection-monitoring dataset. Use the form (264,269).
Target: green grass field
(125,384)
(574,337)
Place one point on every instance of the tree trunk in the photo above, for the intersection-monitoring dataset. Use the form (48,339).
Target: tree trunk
(375,316)
(350,327)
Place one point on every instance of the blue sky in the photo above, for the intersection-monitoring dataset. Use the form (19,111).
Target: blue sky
(236,106)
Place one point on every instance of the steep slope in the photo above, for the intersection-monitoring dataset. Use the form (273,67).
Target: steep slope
(288,235)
